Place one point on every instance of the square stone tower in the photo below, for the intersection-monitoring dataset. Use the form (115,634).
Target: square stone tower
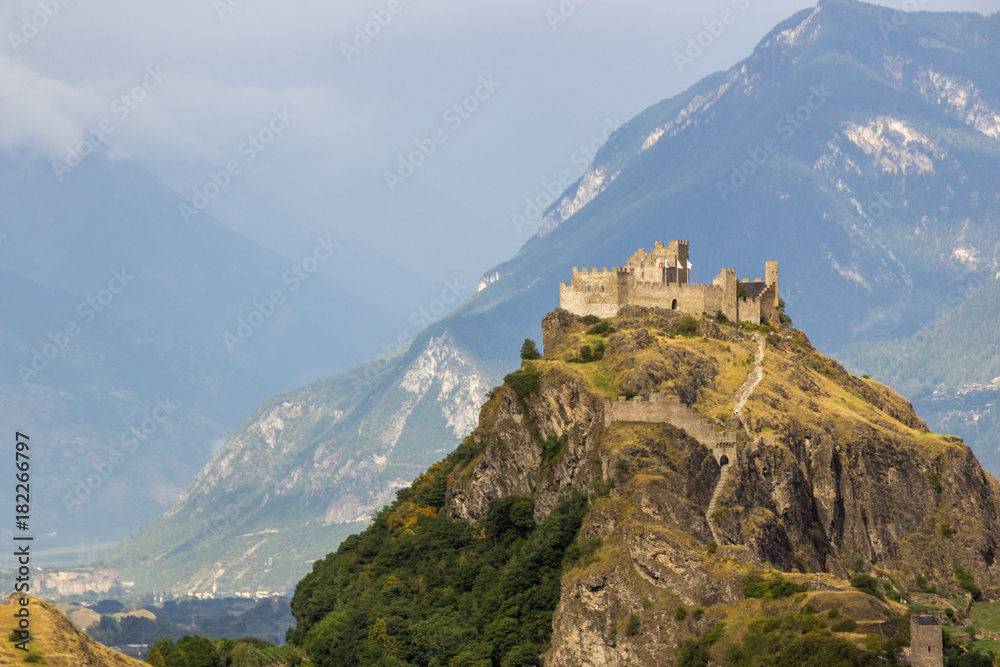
(925,641)
(771,278)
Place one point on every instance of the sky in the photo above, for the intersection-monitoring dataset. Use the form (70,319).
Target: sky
(412,131)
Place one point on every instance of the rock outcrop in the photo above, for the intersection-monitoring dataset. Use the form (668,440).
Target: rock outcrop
(834,474)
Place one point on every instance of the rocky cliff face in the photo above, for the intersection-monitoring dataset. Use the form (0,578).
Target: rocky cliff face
(78,582)
(836,474)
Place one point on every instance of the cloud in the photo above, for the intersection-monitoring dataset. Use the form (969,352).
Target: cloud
(37,112)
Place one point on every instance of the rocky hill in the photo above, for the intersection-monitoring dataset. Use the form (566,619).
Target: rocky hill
(554,530)
(55,641)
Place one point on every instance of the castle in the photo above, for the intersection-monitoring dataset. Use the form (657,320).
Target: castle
(660,279)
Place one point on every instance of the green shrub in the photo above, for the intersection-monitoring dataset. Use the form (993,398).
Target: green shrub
(755,586)
(646,603)
(946,530)
(681,613)
(687,326)
(809,609)
(34,656)
(695,653)
(553,445)
(524,382)
(867,584)
(923,587)
(602,328)
(590,320)
(621,467)
(632,625)
(846,625)
(698,613)
(721,318)
(782,317)
(712,547)
(965,581)
(529,351)
(934,481)
(833,613)
(588,353)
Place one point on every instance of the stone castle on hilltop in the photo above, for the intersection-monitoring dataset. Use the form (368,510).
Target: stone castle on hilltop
(660,279)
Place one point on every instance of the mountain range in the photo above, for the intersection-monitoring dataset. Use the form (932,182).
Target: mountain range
(133,342)
(855,145)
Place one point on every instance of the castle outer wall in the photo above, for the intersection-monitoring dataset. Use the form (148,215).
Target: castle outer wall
(659,279)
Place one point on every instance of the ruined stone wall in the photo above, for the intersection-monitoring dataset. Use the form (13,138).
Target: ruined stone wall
(696,299)
(749,310)
(660,409)
(769,304)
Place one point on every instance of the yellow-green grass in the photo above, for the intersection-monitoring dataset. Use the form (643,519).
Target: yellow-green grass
(986,615)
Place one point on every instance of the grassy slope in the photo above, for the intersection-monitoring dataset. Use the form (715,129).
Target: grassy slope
(57,639)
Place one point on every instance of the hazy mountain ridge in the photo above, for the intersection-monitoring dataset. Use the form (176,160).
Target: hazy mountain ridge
(115,305)
(305,470)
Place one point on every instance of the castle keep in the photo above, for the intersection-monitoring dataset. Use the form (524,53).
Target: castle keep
(660,279)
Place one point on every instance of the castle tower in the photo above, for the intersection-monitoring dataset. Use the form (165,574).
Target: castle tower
(682,249)
(925,641)
(728,282)
(771,277)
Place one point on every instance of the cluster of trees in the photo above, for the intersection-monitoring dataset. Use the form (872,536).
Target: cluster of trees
(204,652)
(418,588)
(796,640)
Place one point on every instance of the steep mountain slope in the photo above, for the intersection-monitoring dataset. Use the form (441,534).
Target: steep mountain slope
(877,199)
(114,307)
(814,488)
(303,472)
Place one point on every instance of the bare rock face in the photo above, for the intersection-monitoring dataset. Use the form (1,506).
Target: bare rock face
(835,475)
(513,436)
(57,584)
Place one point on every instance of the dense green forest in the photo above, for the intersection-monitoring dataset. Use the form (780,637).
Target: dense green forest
(418,588)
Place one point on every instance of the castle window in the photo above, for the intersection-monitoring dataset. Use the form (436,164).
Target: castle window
(602,288)
(673,306)
(642,264)
(588,288)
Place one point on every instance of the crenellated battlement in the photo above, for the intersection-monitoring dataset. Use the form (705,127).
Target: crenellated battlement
(661,279)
